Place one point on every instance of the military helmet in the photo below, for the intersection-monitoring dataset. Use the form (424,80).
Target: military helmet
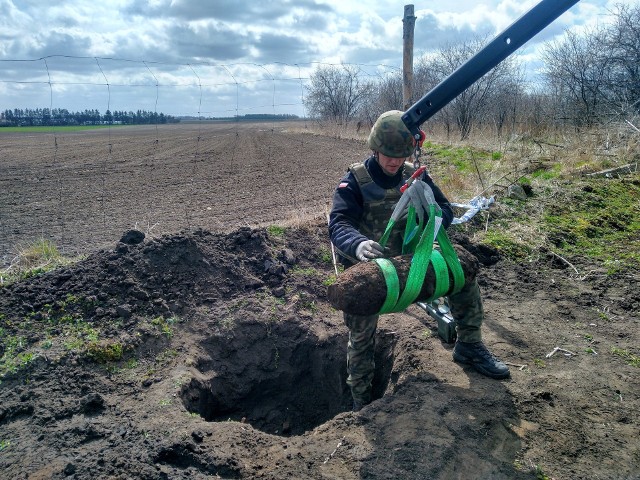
(390,136)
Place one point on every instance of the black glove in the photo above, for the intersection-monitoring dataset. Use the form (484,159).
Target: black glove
(368,250)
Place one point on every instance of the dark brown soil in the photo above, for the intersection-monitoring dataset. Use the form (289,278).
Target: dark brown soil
(83,189)
(233,361)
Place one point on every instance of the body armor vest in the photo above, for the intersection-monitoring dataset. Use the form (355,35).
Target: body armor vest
(378,204)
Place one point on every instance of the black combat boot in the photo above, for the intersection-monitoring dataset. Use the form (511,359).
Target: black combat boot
(481,359)
(358,403)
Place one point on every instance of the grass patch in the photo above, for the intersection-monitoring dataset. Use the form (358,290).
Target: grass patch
(595,219)
(105,352)
(547,173)
(325,255)
(508,245)
(165,325)
(64,318)
(426,333)
(459,170)
(569,215)
(306,272)
(457,155)
(540,474)
(306,302)
(276,231)
(631,359)
(600,220)
(330,280)
(311,272)
(539,363)
(35,258)
(15,354)
(59,328)
(273,306)
(166,356)
(465,158)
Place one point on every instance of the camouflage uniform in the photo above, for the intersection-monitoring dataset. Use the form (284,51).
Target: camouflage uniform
(466,305)
(362,206)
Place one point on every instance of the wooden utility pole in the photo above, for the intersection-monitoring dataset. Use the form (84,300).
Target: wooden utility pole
(408,22)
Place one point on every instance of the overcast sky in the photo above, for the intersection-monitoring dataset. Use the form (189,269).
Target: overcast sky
(222,57)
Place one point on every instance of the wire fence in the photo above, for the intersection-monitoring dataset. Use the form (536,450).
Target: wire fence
(219,168)
(82,189)
(204,89)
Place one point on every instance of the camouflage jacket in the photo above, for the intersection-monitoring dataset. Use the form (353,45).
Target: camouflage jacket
(362,205)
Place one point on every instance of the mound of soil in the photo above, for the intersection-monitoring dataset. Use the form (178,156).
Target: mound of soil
(216,354)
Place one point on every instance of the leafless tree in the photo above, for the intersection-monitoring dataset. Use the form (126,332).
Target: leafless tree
(337,93)
(481,100)
(389,94)
(594,76)
(577,73)
(622,43)
(535,112)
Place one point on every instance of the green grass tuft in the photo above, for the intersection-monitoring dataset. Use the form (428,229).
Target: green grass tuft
(35,258)
(276,230)
(595,219)
(633,360)
(105,352)
(508,245)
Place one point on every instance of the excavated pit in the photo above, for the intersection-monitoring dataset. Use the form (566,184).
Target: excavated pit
(284,381)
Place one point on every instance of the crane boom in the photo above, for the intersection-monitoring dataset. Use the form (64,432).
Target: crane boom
(503,45)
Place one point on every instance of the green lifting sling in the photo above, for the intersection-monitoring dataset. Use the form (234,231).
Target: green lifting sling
(419,240)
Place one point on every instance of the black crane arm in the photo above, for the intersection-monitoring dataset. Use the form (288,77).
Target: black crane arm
(507,42)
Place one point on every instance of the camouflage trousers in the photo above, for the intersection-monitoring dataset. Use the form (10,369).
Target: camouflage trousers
(466,308)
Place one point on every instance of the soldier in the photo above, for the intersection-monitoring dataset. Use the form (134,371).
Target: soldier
(362,205)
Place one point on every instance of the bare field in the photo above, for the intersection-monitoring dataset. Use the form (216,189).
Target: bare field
(83,189)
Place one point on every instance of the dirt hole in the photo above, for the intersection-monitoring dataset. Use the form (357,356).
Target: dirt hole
(285,381)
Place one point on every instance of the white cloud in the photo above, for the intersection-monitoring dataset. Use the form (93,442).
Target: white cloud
(284,37)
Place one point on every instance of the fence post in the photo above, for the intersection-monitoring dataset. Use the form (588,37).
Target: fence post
(408,23)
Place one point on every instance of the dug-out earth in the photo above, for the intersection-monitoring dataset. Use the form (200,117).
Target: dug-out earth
(232,366)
